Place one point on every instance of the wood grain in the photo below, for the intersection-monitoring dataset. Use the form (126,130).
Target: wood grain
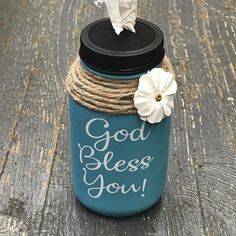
(38,41)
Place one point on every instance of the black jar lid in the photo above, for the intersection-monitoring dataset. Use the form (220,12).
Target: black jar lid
(128,53)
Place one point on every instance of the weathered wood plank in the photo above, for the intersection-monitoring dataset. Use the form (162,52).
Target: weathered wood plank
(218,151)
(26,164)
(208,88)
(15,67)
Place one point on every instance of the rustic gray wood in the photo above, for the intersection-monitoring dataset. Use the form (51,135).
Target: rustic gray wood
(38,41)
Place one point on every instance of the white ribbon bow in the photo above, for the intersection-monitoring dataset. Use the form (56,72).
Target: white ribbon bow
(122,13)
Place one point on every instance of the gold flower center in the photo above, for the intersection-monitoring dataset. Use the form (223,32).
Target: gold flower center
(158,97)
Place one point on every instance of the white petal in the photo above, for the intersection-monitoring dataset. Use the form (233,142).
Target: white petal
(144,105)
(163,81)
(168,103)
(144,118)
(155,75)
(157,115)
(170,86)
(164,77)
(146,86)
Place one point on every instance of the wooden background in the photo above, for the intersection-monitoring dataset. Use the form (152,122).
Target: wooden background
(38,41)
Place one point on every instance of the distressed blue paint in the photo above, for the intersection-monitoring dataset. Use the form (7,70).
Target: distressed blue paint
(156,145)
(119,77)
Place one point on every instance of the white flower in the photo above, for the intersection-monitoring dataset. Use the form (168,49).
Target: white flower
(154,98)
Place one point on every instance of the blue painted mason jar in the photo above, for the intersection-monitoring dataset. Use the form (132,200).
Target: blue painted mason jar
(119,162)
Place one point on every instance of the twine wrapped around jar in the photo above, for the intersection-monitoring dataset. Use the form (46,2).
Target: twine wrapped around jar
(114,96)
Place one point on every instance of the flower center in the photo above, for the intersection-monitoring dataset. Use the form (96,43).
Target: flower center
(158,97)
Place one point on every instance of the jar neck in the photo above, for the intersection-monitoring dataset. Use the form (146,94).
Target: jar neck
(109,76)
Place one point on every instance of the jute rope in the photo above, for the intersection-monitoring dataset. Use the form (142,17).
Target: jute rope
(101,94)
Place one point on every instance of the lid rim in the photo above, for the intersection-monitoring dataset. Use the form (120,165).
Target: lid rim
(128,71)
(121,53)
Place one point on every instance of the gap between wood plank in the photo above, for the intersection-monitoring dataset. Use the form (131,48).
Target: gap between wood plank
(21,106)
(191,152)
(15,124)
(195,166)
(52,153)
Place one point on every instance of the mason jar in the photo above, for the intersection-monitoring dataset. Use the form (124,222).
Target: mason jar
(119,162)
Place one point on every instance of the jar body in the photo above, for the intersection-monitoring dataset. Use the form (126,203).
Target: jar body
(119,162)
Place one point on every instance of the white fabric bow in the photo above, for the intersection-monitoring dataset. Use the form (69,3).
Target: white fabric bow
(122,13)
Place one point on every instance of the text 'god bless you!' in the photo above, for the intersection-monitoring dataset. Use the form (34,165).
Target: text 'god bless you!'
(97,183)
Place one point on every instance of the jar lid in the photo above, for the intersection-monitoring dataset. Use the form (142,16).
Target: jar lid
(128,53)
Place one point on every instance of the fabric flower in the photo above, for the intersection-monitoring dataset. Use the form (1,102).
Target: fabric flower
(154,98)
